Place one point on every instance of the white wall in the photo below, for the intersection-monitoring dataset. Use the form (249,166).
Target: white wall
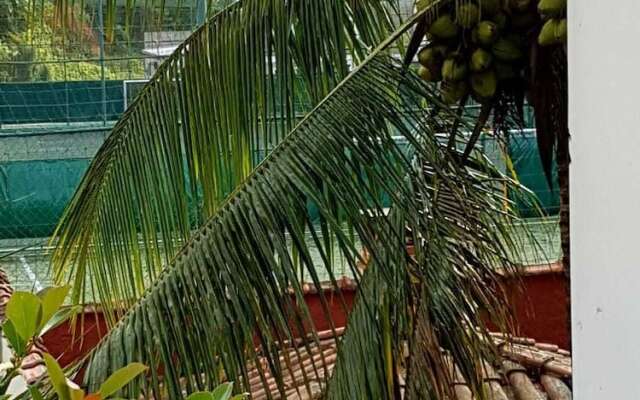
(604,90)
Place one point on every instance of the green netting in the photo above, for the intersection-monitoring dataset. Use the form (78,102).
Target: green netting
(83,71)
(42,102)
(60,93)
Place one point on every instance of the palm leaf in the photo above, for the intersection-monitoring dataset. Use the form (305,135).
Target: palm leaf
(231,296)
(224,99)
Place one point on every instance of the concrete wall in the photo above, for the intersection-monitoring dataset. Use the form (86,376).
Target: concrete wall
(604,84)
(51,146)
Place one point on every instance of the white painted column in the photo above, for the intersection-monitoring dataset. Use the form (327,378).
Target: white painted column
(604,95)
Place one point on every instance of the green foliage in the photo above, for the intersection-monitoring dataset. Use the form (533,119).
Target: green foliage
(17,343)
(24,310)
(59,380)
(224,99)
(67,390)
(41,52)
(222,392)
(120,378)
(28,314)
(235,281)
(51,299)
(27,317)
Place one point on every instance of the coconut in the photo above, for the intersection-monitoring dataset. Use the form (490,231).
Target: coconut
(452,92)
(504,71)
(524,21)
(467,15)
(432,56)
(484,84)
(505,49)
(552,8)
(502,20)
(444,27)
(554,31)
(428,74)
(486,33)
(453,70)
(480,60)
(520,5)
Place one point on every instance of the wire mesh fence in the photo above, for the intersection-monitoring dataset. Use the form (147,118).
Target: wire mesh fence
(62,87)
(61,91)
(52,74)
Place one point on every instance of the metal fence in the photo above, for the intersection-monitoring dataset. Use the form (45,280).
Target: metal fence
(61,90)
(61,93)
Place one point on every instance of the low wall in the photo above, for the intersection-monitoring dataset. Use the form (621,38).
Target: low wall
(538,300)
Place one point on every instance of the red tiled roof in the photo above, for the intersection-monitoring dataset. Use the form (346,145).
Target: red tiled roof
(528,371)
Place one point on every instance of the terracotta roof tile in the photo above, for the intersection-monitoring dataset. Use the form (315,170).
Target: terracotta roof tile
(528,371)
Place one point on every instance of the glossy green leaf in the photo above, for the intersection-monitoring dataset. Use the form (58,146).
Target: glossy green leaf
(222,392)
(75,392)
(24,309)
(52,299)
(57,378)
(60,317)
(120,378)
(201,396)
(17,343)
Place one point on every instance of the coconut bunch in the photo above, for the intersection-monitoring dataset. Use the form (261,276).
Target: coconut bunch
(475,47)
(554,30)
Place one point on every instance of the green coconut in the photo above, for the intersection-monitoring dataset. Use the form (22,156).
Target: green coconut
(467,15)
(422,4)
(506,49)
(524,21)
(452,92)
(553,31)
(433,55)
(453,69)
(519,5)
(501,20)
(486,33)
(484,84)
(428,74)
(444,27)
(480,60)
(552,8)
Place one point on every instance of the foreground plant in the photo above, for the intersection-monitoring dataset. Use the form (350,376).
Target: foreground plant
(222,392)
(29,316)
(66,389)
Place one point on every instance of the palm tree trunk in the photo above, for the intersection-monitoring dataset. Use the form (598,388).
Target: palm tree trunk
(562,159)
(549,94)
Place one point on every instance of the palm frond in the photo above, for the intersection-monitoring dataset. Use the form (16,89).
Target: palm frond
(231,296)
(223,100)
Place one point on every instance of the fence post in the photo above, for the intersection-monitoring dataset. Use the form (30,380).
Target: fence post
(101,43)
(201,12)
